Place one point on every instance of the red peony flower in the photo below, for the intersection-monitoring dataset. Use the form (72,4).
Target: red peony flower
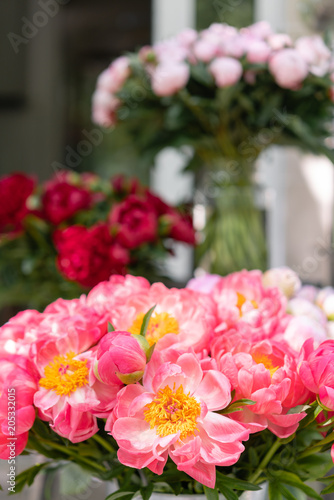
(14,192)
(135,220)
(89,256)
(181,227)
(61,200)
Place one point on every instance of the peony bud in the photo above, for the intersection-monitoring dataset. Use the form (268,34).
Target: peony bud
(121,357)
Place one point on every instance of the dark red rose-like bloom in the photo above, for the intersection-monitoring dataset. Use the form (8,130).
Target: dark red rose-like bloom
(181,227)
(135,220)
(89,256)
(14,192)
(61,200)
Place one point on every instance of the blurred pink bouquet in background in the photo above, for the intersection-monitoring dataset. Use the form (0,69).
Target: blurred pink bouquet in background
(221,96)
(201,389)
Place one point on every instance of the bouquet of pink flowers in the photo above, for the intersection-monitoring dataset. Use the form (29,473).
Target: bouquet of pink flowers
(65,236)
(227,95)
(220,386)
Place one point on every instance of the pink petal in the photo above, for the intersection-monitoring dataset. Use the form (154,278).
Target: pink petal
(214,390)
(134,434)
(223,428)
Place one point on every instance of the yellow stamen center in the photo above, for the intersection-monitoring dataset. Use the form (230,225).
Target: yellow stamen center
(65,374)
(173,411)
(159,325)
(242,299)
(266,361)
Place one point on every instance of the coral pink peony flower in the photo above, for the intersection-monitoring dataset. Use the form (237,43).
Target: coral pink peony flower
(19,332)
(170,77)
(70,397)
(288,68)
(172,414)
(315,368)
(121,356)
(14,192)
(18,384)
(89,256)
(226,71)
(241,297)
(266,373)
(182,319)
(109,294)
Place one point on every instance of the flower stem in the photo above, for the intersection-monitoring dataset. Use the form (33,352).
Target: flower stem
(265,461)
(103,442)
(79,458)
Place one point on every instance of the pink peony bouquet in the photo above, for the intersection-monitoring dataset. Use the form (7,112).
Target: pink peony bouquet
(223,83)
(217,387)
(221,96)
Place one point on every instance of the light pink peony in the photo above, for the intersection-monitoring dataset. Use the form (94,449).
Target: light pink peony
(315,53)
(113,78)
(302,307)
(316,369)
(226,71)
(169,77)
(283,278)
(279,41)
(258,52)
(241,297)
(18,384)
(288,68)
(206,48)
(308,292)
(203,283)
(172,414)
(261,30)
(264,372)
(104,107)
(301,328)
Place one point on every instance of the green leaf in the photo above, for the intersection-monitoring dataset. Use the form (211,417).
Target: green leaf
(294,480)
(229,494)
(328,489)
(274,493)
(285,492)
(234,483)
(126,495)
(27,476)
(146,491)
(110,328)
(210,493)
(146,321)
(298,409)
(150,352)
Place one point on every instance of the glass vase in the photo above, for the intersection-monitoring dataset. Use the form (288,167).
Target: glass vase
(232,223)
